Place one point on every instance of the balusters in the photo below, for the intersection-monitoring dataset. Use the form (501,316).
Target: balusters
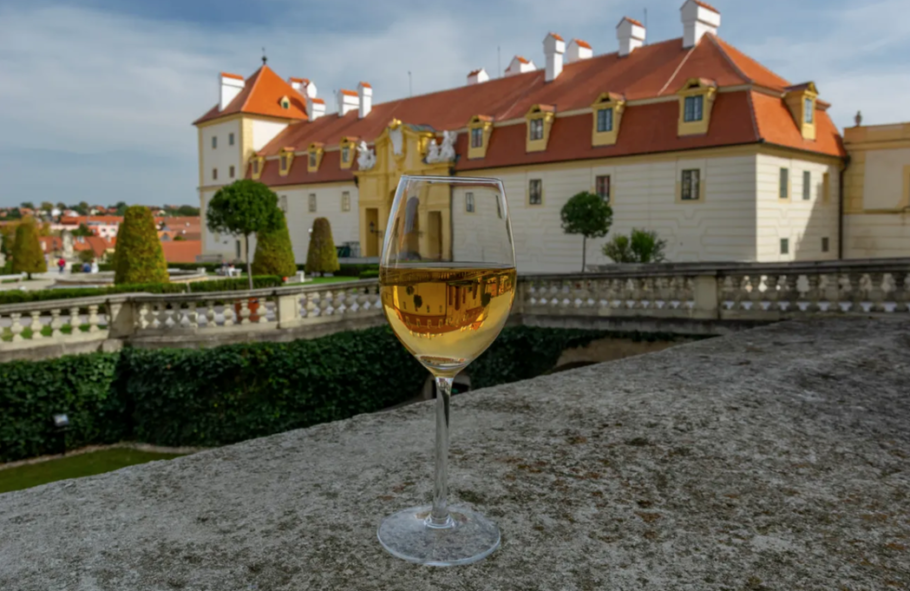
(74,320)
(755,293)
(192,318)
(36,325)
(56,323)
(15,327)
(877,292)
(93,318)
(901,282)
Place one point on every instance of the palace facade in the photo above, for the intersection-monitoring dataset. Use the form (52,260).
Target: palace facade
(689,137)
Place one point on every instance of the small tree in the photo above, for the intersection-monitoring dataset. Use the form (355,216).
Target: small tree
(138,257)
(321,256)
(644,246)
(27,255)
(244,207)
(274,254)
(82,230)
(7,240)
(589,215)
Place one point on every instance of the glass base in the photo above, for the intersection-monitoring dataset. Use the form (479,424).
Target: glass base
(467,538)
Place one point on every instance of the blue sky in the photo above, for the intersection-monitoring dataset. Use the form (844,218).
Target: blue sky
(97,96)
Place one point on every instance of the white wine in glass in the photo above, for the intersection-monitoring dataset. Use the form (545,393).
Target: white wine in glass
(447,276)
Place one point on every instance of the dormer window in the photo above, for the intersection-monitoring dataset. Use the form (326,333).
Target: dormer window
(696,98)
(604,120)
(540,120)
(284,162)
(285,159)
(345,154)
(607,111)
(694,108)
(256,167)
(808,111)
(347,147)
(285,103)
(801,100)
(314,157)
(479,127)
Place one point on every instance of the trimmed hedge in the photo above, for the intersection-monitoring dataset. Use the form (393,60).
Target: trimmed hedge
(349,269)
(221,395)
(43,295)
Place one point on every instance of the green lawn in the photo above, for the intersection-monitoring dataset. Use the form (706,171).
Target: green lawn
(96,462)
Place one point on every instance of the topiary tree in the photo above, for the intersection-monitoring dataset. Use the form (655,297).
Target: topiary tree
(274,254)
(321,256)
(644,246)
(138,257)
(27,255)
(244,207)
(587,214)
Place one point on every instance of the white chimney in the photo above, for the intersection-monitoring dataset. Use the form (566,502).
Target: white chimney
(231,85)
(578,50)
(365,92)
(698,18)
(347,101)
(297,84)
(631,35)
(553,48)
(478,76)
(315,108)
(519,65)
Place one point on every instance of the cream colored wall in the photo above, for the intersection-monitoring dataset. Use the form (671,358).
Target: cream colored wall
(721,226)
(804,223)
(877,235)
(222,157)
(328,205)
(265,131)
(885,178)
(225,245)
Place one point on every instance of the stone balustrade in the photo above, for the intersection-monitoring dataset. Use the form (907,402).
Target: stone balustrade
(684,298)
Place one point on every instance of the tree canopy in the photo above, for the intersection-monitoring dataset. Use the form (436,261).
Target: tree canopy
(27,255)
(587,214)
(138,257)
(274,253)
(643,246)
(321,255)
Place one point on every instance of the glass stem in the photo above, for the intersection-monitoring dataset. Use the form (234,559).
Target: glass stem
(439,517)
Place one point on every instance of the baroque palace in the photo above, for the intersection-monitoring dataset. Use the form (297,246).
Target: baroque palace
(689,137)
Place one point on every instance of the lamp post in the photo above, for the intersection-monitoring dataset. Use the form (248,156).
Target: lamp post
(62,425)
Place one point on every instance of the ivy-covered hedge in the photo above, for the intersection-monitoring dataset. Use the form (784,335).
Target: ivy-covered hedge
(83,386)
(216,396)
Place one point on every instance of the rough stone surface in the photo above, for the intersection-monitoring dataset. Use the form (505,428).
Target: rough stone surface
(777,458)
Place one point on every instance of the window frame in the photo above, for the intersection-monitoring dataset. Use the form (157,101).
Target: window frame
(607,120)
(532,184)
(255,167)
(698,108)
(345,154)
(785,246)
(809,111)
(807,185)
(283,162)
(214,142)
(313,160)
(231,139)
(597,187)
(469,204)
(215,173)
(694,192)
(535,127)
(783,181)
(283,203)
(345,201)
(477,137)
(826,244)
(311,203)
(231,171)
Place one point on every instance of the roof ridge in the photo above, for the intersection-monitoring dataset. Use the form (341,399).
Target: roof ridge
(729,59)
(257,74)
(758,136)
(676,71)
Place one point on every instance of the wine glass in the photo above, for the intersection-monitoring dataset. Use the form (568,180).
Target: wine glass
(447,276)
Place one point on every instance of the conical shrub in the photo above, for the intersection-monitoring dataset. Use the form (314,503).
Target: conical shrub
(27,255)
(138,257)
(321,256)
(274,253)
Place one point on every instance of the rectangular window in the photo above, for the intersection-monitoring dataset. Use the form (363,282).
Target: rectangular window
(809,111)
(826,187)
(214,141)
(602,186)
(785,246)
(312,203)
(230,139)
(345,154)
(237,243)
(693,108)
(312,159)
(691,182)
(255,166)
(605,119)
(283,203)
(214,174)
(477,137)
(284,163)
(345,201)
(825,244)
(807,185)
(535,192)
(784,183)
(231,172)
(469,202)
(536,129)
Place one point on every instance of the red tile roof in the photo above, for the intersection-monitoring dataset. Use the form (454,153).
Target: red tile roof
(631,20)
(298,79)
(472,72)
(365,84)
(261,95)
(181,251)
(521,59)
(581,43)
(706,5)
(227,75)
(348,92)
(556,36)
(652,71)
